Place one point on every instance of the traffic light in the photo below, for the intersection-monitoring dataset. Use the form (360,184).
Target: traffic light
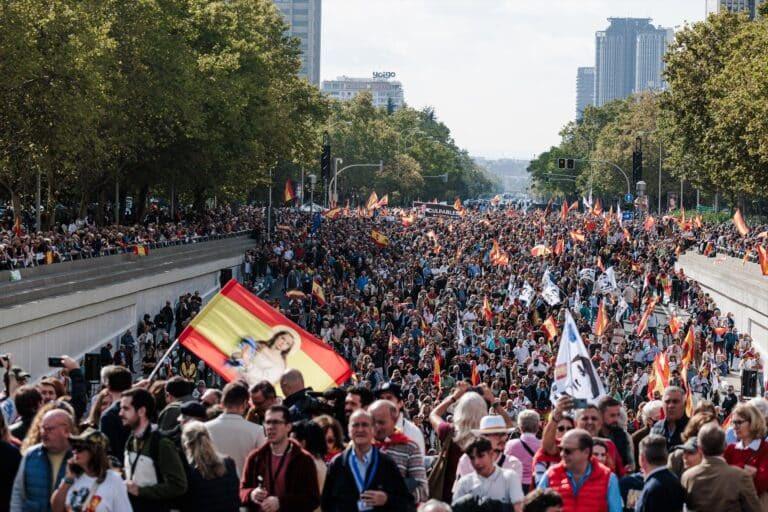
(570,164)
(561,163)
(637,166)
(325,162)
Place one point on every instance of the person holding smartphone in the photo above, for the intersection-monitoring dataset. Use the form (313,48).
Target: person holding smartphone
(89,484)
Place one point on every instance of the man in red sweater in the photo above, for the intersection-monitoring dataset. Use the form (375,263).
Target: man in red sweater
(279,476)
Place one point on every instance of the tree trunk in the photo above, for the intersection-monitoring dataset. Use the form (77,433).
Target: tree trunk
(141,203)
(50,206)
(82,210)
(101,207)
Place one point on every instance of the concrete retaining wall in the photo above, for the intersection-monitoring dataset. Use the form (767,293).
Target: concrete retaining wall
(81,322)
(735,287)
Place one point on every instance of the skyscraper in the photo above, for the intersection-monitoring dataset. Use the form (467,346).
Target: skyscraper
(628,58)
(303,19)
(585,90)
(748,6)
(649,59)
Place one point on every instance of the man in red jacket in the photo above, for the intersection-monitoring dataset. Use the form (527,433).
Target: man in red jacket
(279,476)
(584,484)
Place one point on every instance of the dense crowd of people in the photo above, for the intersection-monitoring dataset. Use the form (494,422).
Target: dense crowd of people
(83,238)
(452,327)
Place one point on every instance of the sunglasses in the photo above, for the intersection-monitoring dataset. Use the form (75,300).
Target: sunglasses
(79,448)
(563,428)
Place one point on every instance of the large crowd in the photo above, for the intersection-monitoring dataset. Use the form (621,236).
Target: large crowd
(81,238)
(448,327)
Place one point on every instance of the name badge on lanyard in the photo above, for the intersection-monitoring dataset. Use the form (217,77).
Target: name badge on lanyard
(360,481)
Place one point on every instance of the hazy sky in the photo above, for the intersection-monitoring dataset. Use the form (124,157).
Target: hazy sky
(500,73)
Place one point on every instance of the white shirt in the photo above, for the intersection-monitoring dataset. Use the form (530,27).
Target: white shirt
(503,485)
(412,431)
(236,437)
(110,495)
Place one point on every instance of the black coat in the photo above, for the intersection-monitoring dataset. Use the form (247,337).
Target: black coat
(216,495)
(112,427)
(340,492)
(662,492)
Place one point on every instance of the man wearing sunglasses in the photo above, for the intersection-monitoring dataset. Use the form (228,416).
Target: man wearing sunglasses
(582,482)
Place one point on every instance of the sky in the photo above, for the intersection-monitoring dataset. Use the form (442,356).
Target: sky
(500,73)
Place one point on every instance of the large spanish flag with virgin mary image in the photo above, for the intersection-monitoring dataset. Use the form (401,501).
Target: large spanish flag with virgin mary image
(242,337)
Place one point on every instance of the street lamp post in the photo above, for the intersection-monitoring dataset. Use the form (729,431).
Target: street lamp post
(312,181)
(337,173)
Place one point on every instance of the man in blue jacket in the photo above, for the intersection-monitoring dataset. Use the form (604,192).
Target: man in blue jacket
(44,465)
(662,491)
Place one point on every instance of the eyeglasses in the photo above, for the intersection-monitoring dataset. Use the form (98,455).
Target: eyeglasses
(738,423)
(563,428)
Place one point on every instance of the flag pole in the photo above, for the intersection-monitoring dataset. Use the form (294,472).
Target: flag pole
(162,359)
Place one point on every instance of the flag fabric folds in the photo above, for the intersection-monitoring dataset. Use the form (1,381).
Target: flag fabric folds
(689,347)
(475,377)
(643,323)
(373,201)
(540,250)
(239,335)
(550,328)
(141,250)
(333,213)
(659,378)
(575,374)
(738,220)
(289,193)
(674,325)
(487,311)
(601,322)
(318,293)
(379,238)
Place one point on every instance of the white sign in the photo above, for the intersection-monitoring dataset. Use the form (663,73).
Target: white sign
(575,375)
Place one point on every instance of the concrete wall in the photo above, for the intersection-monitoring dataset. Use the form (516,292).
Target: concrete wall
(737,288)
(81,322)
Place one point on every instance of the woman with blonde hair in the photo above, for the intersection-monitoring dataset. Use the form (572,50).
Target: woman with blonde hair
(751,451)
(455,435)
(213,483)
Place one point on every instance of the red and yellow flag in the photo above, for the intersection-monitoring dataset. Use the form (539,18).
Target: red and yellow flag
(379,238)
(384,201)
(708,249)
(564,211)
(487,311)
(574,206)
(659,378)
(393,341)
(649,223)
(289,192)
(559,247)
(457,205)
(373,201)
(407,220)
(598,208)
(475,376)
(318,293)
(236,333)
(436,372)
(577,236)
(550,328)
(643,324)
(674,325)
(141,250)
(296,294)
(762,256)
(17,226)
(738,220)
(601,322)
(333,213)
(600,264)
(496,200)
(689,347)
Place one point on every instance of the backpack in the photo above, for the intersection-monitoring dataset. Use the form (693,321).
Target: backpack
(440,469)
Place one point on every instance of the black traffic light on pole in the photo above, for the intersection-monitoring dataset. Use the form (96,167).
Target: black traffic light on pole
(561,163)
(325,162)
(570,164)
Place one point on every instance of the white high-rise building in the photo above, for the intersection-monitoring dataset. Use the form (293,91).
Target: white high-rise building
(748,6)
(304,22)
(649,59)
(585,90)
(385,92)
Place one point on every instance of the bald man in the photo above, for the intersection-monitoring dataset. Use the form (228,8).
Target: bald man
(300,403)
(43,466)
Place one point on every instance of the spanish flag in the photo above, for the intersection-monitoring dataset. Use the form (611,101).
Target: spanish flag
(384,201)
(48,257)
(649,223)
(17,226)
(689,347)
(559,247)
(643,324)
(674,325)
(577,236)
(373,201)
(475,376)
(236,334)
(140,250)
(333,213)
(379,238)
(574,206)
(289,193)
(550,328)
(601,322)
(487,311)
(407,220)
(600,264)
(762,256)
(598,209)
(659,378)
(318,293)
(457,205)
(738,220)
(296,294)
(436,372)
(564,211)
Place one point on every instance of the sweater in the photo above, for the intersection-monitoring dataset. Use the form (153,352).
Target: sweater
(302,493)
(749,457)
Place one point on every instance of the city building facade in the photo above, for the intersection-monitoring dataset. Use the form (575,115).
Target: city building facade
(385,92)
(749,6)
(304,22)
(585,90)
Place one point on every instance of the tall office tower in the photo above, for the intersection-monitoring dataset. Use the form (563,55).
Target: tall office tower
(649,59)
(303,19)
(748,6)
(615,56)
(585,90)
(385,92)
